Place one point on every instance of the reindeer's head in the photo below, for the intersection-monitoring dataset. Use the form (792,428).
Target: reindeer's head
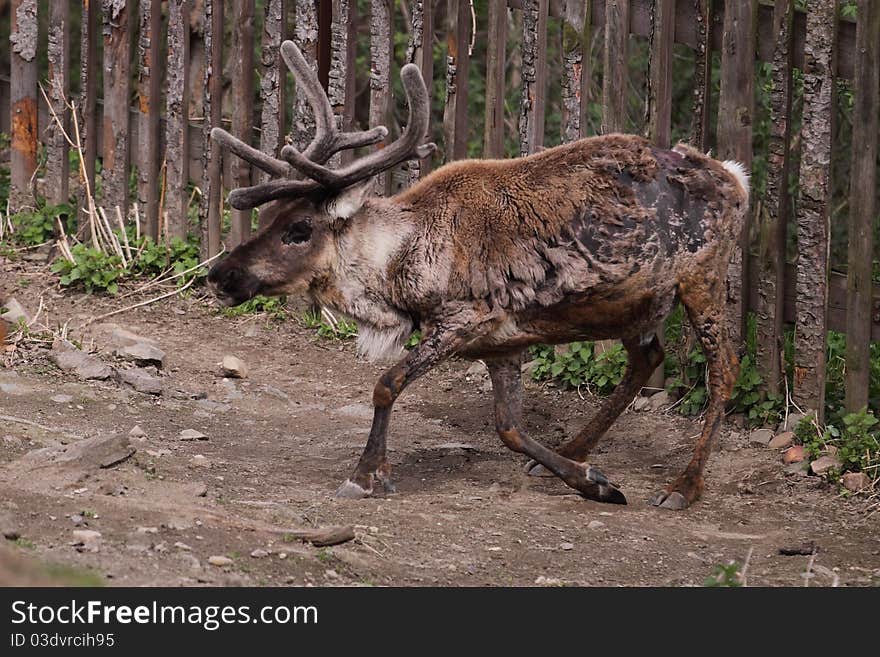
(295,248)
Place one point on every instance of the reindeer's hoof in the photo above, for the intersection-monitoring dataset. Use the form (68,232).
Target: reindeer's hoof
(597,487)
(666,500)
(349,490)
(535,469)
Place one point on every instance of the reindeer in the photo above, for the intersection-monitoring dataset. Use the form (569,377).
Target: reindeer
(591,240)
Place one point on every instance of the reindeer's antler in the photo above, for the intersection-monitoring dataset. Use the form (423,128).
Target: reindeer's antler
(329,140)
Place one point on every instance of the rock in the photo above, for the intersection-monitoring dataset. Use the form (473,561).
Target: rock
(856,481)
(660,401)
(147,530)
(14,312)
(13,388)
(136,432)
(122,337)
(641,403)
(566,546)
(779,441)
(85,366)
(793,419)
(259,553)
(476,370)
(595,524)
(794,454)
(220,561)
(87,538)
(528,369)
(824,465)
(88,453)
(798,469)
(331,574)
(192,434)
(141,380)
(200,461)
(829,450)
(760,437)
(234,367)
(142,353)
(77,519)
(199,488)
(360,411)
(182,546)
(465,446)
(62,399)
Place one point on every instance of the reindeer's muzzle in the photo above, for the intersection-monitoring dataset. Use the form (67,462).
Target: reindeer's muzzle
(231,283)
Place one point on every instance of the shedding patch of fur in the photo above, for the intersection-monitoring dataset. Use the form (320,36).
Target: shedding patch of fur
(382,344)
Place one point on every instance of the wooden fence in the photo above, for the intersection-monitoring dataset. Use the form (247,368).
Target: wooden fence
(165,136)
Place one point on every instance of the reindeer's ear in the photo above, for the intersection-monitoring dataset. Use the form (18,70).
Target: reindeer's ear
(347,202)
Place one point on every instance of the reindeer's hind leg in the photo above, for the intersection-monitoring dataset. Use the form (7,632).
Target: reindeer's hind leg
(704,302)
(507,389)
(645,354)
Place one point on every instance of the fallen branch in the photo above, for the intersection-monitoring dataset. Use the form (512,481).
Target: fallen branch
(323,536)
(139,305)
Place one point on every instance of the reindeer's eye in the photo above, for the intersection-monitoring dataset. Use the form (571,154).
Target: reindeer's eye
(298,233)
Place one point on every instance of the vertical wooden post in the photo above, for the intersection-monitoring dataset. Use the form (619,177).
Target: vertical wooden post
(421,52)
(380,75)
(176,122)
(769,304)
(700,126)
(534,76)
(148,90)
(458,59)
(576,15)
(89,65)
(117,87)
(811,331)
(57,161)
(615,75)
(306,38)
(211,210)
(736,108)
(242,107)
(342,74)
(23,102)
(659,108)
(496,52)
(863,206)
(272,84)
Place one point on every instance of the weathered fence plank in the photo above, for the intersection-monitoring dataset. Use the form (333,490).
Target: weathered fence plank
(176,133)
(380,75)
(211,209)
(496,52)
(455,118)
(342,74)
(659,102)
(735,115)
(421,52)
(272,96)
(813,210)
(149,101)
(700,121)
(615,74)
(534,76)
(242,107)
(57,161)
(117,90)
(23,102)
(89,27)
(862,204)
(306,38)
(575,67)
(769,300)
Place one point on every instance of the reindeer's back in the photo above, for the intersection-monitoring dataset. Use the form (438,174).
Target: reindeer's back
(599,212)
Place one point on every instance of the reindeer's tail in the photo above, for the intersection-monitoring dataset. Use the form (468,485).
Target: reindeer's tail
(738,171)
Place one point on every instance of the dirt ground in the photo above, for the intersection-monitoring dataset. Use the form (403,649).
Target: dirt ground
(280,441)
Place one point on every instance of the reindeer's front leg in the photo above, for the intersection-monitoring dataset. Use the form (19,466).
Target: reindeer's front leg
(373,466)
